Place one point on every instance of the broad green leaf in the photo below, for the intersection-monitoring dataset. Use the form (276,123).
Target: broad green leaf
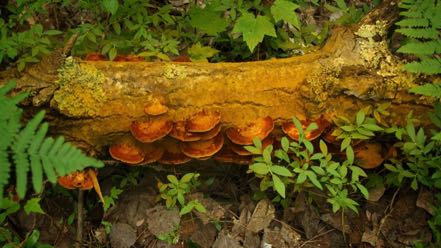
(285,144)
(323,147)
(259,168)
(350,155)
(187,209)
(267,154)
(279,186)
(200,208)
(257,143)
(207,21)
(346,142)
(360,117)
(112,53)
(313,178)
(280,170)
(363,190)
(253,150)
(111,6)
(173,179)
(285,10)
(33,206)
(254,29)
(187,177)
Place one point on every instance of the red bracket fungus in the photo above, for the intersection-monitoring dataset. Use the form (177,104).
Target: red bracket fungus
(179,132)
(156,107)
(203,148)
(240,150)
(290,129)
(127,151)
(152,153)
(151,130)
(95,57)
(203,121)
(212,133)
(226,155)
(261,128)
(369,155)
(172,152)
(128,58)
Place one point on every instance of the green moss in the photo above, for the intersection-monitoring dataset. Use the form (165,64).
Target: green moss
(172,71)
(81,90)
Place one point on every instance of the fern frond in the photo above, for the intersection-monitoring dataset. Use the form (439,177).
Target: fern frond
(433,90)
(36,166)
(421,48)
(425,33)
(414,22)
(426,66)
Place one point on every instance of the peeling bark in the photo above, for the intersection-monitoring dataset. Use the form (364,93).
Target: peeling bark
(93,101)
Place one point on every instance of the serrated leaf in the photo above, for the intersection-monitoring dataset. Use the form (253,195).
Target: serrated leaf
(285,10)
(111,6)
(254,29)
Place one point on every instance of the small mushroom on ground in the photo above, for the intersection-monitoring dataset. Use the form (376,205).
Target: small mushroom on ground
(172,152)
(127,150)
(369,155)
(290,129)
(203,148)
(151,130)
(83,180)
(180,132)
(261,128)
(156,106)
(203,121)
(240,150)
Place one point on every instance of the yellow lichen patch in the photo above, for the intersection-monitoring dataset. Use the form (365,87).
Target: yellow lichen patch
(80,90)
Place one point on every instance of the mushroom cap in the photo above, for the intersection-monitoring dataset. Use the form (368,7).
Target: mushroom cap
(226,155)
(180,132)
(290,129)
(203,121)
(240,150)
(203,148)
(152,153)
(127,150)
(95,57)
(78,179)
(156,107)
(212,133)
(172,152)
(261,128)
(369,155)
(151,130)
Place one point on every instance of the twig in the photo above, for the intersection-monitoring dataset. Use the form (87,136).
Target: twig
(80,209)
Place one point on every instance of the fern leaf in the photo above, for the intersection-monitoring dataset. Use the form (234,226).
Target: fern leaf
(47,163)
(426,33)
(60,168)
(433,90)
(426,66)
(411,14)
(5,89)
(36,167)
(21,171)
(421,48)
(414,22)
(5,168)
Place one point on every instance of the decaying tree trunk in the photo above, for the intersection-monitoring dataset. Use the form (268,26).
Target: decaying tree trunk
(93,101)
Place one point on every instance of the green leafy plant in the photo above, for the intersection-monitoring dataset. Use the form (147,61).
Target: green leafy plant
(299,165)
(29,148)
(175,191)
(364,128)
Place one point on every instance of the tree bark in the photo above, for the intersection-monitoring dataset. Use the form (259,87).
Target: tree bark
(93,101)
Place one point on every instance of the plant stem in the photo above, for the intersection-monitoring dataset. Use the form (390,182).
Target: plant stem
(80,214)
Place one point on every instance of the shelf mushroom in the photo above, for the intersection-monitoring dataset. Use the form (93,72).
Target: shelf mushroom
(180,132)
(203,121)
(369,155)
(148,131)
(261,128)
(156,107)
(203,148)
(172,152)
(127,150)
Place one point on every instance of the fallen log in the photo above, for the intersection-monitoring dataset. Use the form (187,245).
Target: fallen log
(93,102)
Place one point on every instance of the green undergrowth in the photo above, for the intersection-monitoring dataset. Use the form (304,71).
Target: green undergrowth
(236,31)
